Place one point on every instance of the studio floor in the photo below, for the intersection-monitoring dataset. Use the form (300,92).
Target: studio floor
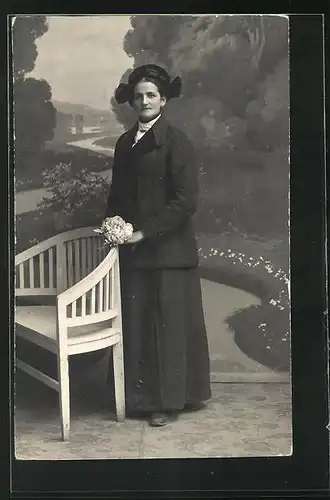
(241,420)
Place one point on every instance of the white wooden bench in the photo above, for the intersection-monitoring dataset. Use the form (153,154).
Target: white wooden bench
(84,277)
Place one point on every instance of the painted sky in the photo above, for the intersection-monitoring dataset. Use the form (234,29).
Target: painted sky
(82,57)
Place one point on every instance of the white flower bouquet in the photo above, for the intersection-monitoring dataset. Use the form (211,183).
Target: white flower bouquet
(115,230)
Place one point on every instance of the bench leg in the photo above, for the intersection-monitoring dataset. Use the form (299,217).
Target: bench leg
(64,396)
(118,368)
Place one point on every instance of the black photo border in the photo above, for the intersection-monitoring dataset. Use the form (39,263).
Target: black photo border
(307,470)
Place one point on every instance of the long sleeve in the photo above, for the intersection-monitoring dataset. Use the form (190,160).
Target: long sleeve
(183,189)
(116,189)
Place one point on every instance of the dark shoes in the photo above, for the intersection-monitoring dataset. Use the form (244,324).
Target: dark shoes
(192,407)
(160,419)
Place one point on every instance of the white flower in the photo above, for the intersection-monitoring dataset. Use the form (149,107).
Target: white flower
(115,230)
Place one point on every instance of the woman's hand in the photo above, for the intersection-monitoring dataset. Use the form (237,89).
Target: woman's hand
(135,238)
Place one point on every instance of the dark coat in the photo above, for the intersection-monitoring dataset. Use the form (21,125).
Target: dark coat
(155,187)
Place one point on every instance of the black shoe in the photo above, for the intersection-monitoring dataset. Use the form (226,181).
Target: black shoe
(160,419)
(194,406)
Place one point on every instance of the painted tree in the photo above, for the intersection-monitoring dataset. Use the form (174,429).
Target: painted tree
(34,113)
(225,63)
(268,114)
(234,104)
(148,41)
(25,31)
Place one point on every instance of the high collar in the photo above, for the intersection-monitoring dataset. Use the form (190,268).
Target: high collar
(145,126)
(158,130)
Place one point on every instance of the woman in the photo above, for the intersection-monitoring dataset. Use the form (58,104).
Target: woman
(154,186)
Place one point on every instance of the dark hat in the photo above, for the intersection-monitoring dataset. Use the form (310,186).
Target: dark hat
(151,72)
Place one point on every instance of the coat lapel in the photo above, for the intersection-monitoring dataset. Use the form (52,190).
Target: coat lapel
(129,138)
(152,139)
(159,131)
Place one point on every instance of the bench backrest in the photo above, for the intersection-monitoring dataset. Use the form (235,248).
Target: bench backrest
(95,298)
(58,263)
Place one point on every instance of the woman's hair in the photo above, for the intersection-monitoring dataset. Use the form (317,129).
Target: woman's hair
(150,73)
(160,86)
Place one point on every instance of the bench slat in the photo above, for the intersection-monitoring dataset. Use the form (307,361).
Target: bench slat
(100,297)
(112,297)
(96,343)
(42,269)
(94,250)
(93,300)
(74,309)
(31,272)
(42,319)
(51,267)
(83,305)
(89,255)
(77,260)
(21,275)
(70,264)
(25,292)
(106,300)
(83,257)
(91,320)
(33,372)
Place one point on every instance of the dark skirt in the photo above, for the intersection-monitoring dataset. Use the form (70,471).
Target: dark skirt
(166,353)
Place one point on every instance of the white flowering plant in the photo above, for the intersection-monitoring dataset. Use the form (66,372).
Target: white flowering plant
(261,331)
(278,282)
(115,230)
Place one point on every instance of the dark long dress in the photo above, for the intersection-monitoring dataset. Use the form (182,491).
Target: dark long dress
(165,343)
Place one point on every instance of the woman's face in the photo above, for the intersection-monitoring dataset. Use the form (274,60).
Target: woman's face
(147,101)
